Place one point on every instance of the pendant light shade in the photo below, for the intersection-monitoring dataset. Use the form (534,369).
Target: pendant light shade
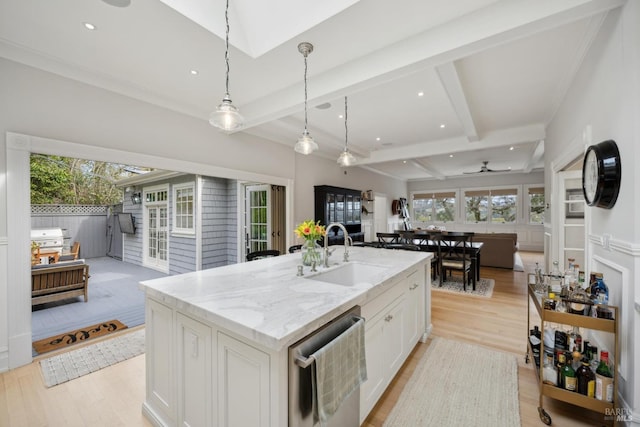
(305,144)
(346,158)
(226,116)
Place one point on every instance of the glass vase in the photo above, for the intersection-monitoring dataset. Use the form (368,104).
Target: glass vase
(311,252)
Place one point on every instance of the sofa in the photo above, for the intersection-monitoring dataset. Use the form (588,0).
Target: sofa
(498,249)
(59,281)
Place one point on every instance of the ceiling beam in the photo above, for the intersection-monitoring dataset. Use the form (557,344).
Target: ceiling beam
(536,155)
(428,168)
(469,34)
(451,81)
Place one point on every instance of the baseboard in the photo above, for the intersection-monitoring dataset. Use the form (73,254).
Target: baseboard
(4,359)
(21,354)
(152,416)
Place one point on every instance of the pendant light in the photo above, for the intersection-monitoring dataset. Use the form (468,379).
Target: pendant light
(226,116)
(346,158)
(305,144)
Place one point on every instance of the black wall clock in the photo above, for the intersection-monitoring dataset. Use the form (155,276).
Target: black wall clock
(601,171)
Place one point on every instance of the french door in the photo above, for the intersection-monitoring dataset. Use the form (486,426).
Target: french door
(257,218)
(156,231)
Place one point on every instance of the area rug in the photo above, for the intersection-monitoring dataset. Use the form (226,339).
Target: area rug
(484,287)
(459,384)
(80,335)
(76,363)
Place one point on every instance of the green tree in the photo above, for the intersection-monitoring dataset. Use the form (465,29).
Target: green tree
(64,180)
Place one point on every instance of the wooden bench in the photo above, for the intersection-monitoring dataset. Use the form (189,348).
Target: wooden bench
(59,281)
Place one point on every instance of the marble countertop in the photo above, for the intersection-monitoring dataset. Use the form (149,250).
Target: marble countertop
(265,301)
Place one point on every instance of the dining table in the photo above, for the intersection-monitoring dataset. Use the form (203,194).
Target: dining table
(425,240)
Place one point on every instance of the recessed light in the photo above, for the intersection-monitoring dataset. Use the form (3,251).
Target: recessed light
(89,26)
(340,116)
(194,72)
(404,161)
(450,155)
(511,148)
(442,126)
(378,139)
(118,3)
(421,93)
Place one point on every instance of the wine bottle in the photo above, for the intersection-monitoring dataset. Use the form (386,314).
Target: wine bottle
(569,376)
(586,379)
(604,378)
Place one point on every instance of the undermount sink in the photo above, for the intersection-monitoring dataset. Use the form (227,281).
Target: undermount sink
(351,273)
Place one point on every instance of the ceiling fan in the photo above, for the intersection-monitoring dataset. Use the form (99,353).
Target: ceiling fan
(485,168)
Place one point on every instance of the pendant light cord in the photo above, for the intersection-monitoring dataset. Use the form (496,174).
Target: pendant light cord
(346,131)
(305,92)
(226,53)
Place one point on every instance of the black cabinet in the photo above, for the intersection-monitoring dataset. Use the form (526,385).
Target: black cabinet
(343,205)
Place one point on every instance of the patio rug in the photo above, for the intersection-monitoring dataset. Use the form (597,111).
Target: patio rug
(78,336)
(76,363)
(484,287)
(459,384)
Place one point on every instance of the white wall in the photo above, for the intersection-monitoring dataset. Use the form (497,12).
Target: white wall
(61,116)
(604,103)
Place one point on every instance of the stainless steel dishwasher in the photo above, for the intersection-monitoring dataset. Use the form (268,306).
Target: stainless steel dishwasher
(300,371)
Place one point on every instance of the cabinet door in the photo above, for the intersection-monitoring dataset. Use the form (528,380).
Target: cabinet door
(340,208)
(375,353)
(194,376)
(414,309)
(357,209)
(394,338)
(349,210)
(330,208)
(160,381)
(243,384)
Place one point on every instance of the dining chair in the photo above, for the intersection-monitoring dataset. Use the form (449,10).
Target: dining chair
(262,254)
(295,248)
(455,255)
(387,239)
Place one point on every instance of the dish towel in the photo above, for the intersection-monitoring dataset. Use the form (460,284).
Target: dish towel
(340,368)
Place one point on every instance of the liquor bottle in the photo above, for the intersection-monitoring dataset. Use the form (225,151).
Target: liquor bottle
(575,340)
(555,279)
(599,290)
(569,275)
(569,376)
(559,370)
(586,379)
(604,378)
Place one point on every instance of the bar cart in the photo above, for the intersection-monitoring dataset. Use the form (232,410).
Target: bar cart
(581,321)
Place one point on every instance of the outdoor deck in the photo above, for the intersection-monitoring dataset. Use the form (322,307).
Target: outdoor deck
(113,294)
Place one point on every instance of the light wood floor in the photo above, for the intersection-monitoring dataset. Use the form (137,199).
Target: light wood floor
(113,396)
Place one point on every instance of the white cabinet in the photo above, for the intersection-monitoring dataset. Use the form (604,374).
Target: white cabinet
(383,347)
(196,404)
(395,321)
(198,375)
(414,312)
(160,405)
(243,384)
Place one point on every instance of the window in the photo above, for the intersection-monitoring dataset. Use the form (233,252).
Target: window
(498,206)
(183,208)
(536,205)
(434,207)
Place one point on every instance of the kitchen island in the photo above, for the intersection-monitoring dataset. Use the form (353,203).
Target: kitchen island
(218,339)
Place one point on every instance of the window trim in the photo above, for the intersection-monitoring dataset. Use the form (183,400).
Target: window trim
(488,192)
(527,190)
(455,193)
(175,230)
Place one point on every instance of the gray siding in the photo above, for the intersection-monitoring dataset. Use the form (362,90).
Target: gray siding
(218,227)
(216,220)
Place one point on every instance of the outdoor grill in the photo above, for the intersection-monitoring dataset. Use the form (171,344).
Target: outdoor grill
(49,239)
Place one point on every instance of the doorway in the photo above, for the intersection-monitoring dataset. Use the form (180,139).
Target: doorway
(18,150)
(264,218)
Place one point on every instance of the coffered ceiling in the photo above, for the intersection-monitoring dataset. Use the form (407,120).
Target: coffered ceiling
(435,87)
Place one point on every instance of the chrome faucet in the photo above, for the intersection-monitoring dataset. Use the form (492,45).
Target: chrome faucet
(347,239)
